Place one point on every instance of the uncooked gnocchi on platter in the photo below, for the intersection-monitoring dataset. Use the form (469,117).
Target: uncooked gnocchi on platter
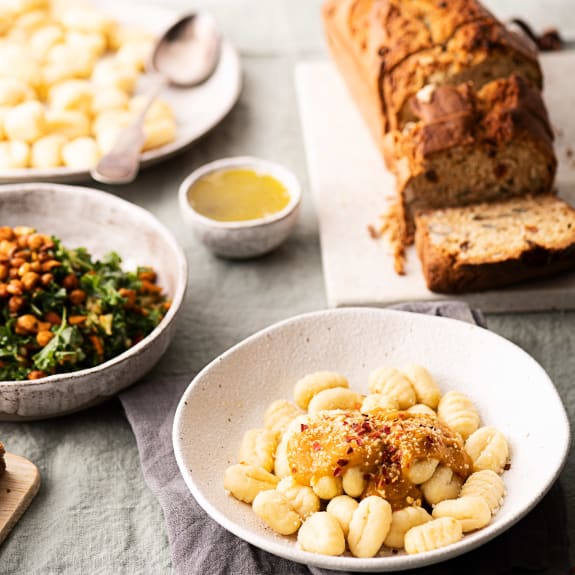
(402,468)
(68,75)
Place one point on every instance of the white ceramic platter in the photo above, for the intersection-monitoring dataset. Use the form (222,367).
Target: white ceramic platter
(197,109)
(230,395)
(100,222)
(351,188)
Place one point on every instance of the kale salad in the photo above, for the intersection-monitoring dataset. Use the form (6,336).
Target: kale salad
(61,310)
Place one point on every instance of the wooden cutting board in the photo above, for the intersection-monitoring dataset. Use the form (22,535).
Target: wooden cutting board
(18,486)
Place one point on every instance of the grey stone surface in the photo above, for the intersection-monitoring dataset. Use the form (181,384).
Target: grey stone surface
(94,514)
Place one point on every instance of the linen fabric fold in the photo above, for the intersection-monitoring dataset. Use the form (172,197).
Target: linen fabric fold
(538,544)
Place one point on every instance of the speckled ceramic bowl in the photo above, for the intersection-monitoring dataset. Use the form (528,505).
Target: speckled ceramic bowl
(229,396)
(102,223)
(250,238)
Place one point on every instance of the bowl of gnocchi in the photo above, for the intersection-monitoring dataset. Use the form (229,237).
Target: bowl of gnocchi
(370,439)
(73,76)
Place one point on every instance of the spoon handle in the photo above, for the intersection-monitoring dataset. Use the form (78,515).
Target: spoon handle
(122,163)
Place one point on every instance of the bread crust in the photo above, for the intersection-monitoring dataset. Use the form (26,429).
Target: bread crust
(388,40)
(447,271)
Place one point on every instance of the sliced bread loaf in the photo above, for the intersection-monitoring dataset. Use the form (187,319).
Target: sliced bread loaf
(472,147)
(489,245)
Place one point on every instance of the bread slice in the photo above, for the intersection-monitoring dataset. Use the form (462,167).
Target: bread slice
(472,147)
(387,50)
(490,245)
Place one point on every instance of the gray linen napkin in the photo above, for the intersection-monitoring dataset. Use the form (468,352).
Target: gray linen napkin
(199,546)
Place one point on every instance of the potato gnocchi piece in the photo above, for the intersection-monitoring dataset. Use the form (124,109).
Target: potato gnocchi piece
(14,91)
(458,411)
(281,465)
(14,155)
(422,408)
(25,122)
(334,398)
(369,526)
(68,123)
(301,497)
(258,448)
(422,470)
(71,95)
(488,449)
(391,382)
(375,401)
(313,383)
(274,508)
(81,153)
(471,511)
(327,487)
(321,533)
(109,99)
(426,389)
(47,152)
(159,133)
(353,481)
(433,535)
(486,484)
(342,508)
(280,414)
(402,521)
(244,482)
(443,484)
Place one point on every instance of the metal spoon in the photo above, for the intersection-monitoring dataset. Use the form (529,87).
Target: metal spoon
(186,55)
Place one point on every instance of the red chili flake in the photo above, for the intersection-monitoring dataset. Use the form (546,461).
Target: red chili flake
(337,472)
(316,446)
(359,441)
(303,426)
(365,427)
(387,429)
(342,462)
(294,470)
(349,450)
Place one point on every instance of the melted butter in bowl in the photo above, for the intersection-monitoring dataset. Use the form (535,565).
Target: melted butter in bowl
(237,195)
(241,207)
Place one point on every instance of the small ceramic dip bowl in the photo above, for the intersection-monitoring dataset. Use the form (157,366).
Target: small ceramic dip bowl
(241,238)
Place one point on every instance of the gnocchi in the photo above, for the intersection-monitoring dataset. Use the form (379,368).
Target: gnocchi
(401,468)
(488,449)
(390,381)
(433,535)
(458,411)
(62,64)
(313,383)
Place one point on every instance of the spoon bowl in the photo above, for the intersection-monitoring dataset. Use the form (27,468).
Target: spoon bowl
(189,51)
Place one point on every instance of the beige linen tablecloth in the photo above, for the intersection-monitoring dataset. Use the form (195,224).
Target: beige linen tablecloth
(94,513)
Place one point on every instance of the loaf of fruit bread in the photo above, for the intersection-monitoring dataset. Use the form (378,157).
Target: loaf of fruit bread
(387,50)
(491,245)
(470,146)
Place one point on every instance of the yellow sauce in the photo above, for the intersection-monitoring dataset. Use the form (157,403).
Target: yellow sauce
(237,195)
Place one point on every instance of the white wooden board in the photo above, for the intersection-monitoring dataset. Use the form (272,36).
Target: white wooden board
(351,187)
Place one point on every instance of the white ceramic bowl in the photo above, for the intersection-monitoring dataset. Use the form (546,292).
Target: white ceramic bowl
(102,223)
(250,238)
(228,397)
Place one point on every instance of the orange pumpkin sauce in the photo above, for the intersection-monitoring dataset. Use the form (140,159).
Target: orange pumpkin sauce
(384,444)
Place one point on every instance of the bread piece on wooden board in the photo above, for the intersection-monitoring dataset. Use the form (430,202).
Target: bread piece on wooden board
(470,146)
(491,245)
(395,47)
